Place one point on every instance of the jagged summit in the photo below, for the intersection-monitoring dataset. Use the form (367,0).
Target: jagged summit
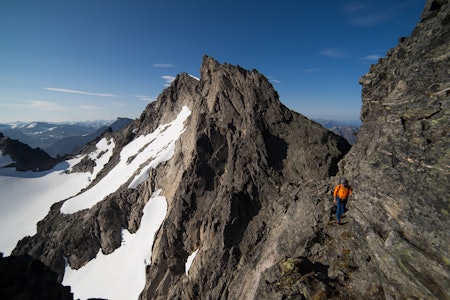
(240,155)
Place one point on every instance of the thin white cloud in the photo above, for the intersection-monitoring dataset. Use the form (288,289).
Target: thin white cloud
(89,107)
(168,79)
(371,19)
(351,7)
(311,70)
(335,53)
(35,104)
(144,98)
(371,57)
(44,105)
(79,92)
(368,14)
(273,79)
(116,103)
(163,65)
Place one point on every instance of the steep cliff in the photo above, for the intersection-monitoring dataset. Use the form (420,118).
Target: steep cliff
(242,161)
(400,164)
(25,158)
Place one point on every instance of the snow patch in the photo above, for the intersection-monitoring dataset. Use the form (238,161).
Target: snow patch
(198,79)
(189,261)
(25,199)
(102,154)
(121,274)
(157,147)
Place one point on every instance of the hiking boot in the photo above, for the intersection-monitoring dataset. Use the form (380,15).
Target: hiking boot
(338,222)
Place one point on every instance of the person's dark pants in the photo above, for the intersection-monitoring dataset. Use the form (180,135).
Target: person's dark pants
(340,208)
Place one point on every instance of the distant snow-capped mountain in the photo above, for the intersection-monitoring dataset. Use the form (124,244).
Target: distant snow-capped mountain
(58,139)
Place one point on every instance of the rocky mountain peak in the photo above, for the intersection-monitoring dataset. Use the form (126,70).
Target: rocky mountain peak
(241,155)
(248,183)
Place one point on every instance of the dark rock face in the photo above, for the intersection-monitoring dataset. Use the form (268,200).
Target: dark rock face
(235,171)
(400,165)
(22,277)
(25,157)
(242,150)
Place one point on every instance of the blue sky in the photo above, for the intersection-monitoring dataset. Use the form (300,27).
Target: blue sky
(64,60)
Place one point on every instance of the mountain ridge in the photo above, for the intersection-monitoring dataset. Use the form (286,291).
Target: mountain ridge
(59,139)
(248,187)
(233,149)
(25,158)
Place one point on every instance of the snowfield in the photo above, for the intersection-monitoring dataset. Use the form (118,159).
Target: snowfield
(121,274)
(26,197)
(151,149)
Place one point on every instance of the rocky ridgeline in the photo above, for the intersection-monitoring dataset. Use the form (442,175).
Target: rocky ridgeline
(25,158)
(245,171)
(400,164)
(242,161)
(249,187)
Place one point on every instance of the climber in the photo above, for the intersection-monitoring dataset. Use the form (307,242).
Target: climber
(341,193)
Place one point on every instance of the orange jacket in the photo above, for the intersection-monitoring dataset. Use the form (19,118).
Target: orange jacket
(342,191)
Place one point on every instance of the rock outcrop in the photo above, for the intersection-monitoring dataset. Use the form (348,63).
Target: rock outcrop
(400,164)
(245,160)
(26,158)
(22,277)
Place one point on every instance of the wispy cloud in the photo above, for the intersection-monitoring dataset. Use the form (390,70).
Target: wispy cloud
(365,14)
(371,19)
(371,57)
(79,92)
(39,105)
(144,98)
(44,105)
(311,70)
(273,79)
(335,53)
(168,79)
(163,65)
(89,107)
(351,7)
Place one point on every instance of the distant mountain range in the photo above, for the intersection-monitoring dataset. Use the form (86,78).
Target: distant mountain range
(58,139)
(346,129)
